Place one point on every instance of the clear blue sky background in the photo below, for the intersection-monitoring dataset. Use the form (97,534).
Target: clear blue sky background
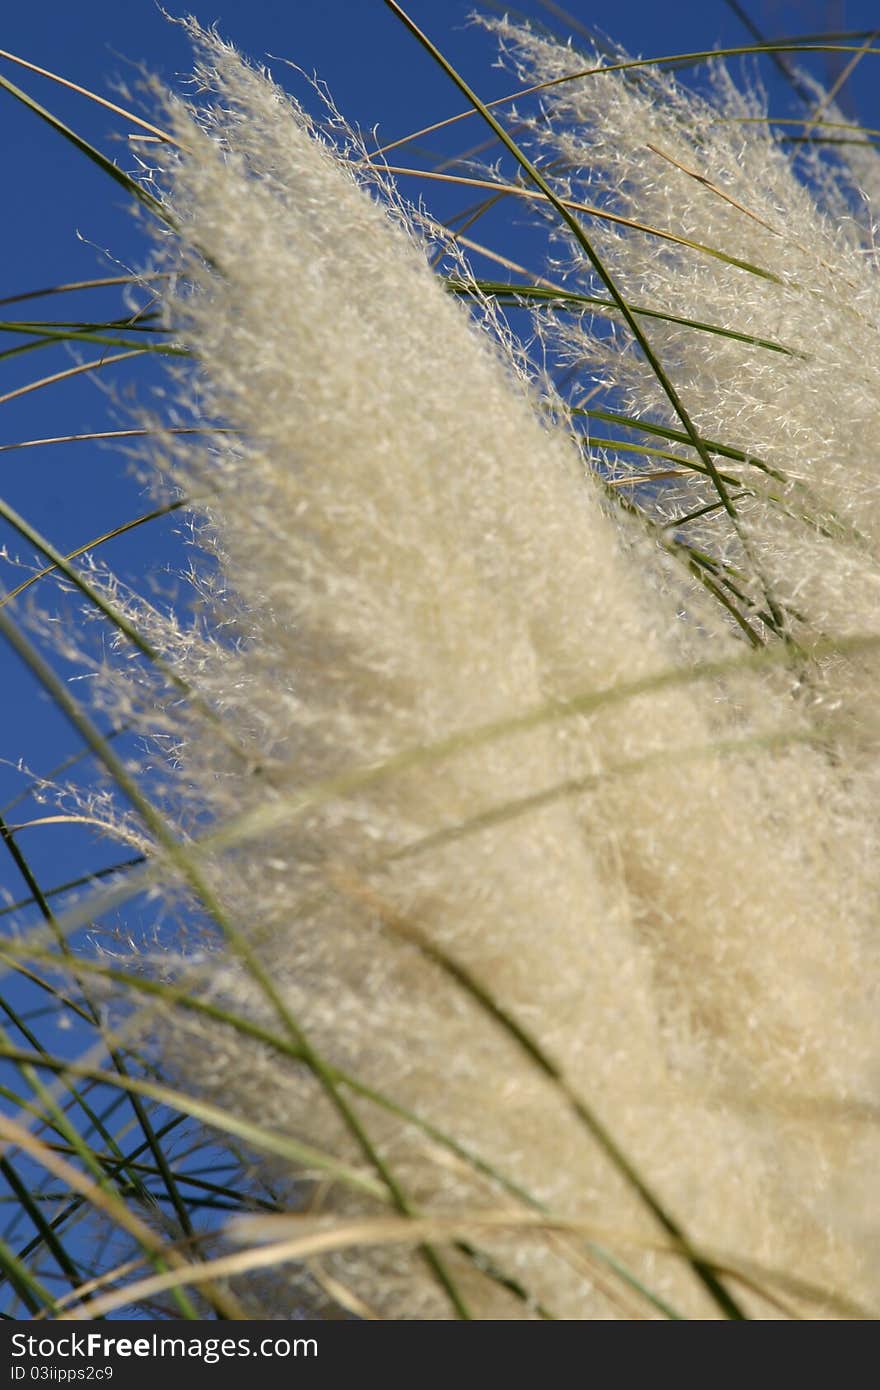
(379,77)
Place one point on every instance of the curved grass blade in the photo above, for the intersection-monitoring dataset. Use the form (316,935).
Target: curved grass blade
(183,996)
(81,367)
(33,1295)
(61,564)
(104,1199)
(603,214)
(504,293)
(239,830)
(124,180)
(102,435)
(92,96)
(85,880)
(126,526)
(706,55)
(46,1234)
(71,286)
(49,336)
(255,1136)
(139,1109)
(180,858)
(665,382)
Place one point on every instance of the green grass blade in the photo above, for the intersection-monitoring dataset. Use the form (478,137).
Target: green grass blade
(106,165)
(505,292)
(666,384)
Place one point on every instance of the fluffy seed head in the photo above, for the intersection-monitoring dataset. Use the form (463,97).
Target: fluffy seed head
(464,759)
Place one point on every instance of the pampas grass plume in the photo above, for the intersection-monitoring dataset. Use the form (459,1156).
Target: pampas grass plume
(485,769)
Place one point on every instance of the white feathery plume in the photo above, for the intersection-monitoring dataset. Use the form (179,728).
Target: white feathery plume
(670,886)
